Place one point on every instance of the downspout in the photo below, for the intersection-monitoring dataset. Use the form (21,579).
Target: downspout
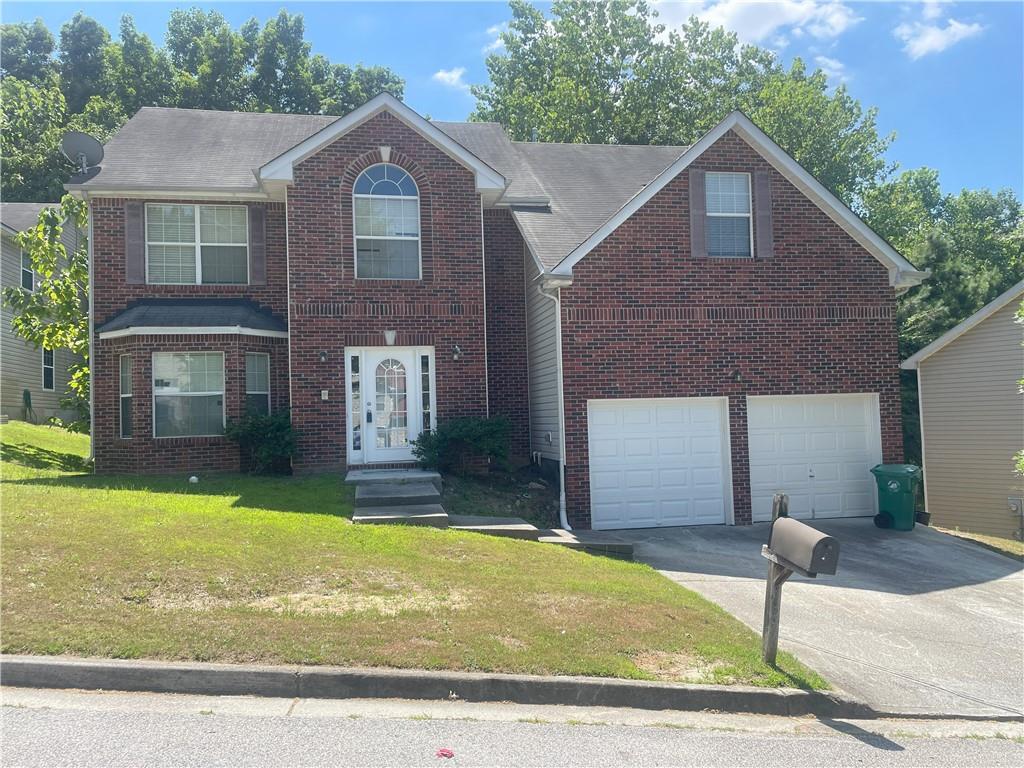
(92,358)
(483,275)
(556,297)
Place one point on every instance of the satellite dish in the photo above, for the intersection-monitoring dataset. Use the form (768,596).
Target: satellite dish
(82,150)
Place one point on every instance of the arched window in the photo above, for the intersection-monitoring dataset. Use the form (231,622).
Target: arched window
(387,224)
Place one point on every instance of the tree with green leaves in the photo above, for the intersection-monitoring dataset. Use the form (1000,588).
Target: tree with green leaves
(54,315)
(26,52)
(81,61)
(607,73)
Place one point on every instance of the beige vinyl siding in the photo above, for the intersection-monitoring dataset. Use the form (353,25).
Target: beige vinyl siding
(542,352)
(21,364)
(973,423)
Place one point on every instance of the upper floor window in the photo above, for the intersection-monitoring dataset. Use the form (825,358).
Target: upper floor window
(730,228)
(187,244)
(387,224)
(28,275)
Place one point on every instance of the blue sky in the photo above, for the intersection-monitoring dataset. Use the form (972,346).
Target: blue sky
(947,77)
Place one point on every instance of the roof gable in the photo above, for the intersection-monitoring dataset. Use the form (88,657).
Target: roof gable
(280,168)
(902,274)
(998,303)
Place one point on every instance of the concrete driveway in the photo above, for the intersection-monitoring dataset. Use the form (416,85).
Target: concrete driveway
(917,622)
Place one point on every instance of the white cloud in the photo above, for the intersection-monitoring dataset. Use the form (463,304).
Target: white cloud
(931,10)
(494,32)
(771,21)
(921,38)
(451,78)
(834,69)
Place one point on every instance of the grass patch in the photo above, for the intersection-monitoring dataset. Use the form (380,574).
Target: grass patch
(1009,547)
(271,570)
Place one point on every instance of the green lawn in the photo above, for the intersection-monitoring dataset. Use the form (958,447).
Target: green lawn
(1010,547)
(245,569)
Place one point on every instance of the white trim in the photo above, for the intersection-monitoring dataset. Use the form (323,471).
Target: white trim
(405,238)
(924,464)
(902,274)
(959,330)
(749,215)
(53,370)
(190,330)
(483,277)
(197,244)
(270,406)
(88,192)
(563,517)
(223,394)
(281,167)
(122,396)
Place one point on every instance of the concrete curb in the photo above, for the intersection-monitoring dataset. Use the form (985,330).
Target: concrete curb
(348,683)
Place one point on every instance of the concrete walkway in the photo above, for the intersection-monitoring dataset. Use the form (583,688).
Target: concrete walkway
(917,622)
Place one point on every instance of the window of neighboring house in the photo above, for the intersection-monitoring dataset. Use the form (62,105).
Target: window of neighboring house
(387,224)
(126,396)
(47,369)
(188,244)
(257,382)
(28,275)
(188,394)
(729,221)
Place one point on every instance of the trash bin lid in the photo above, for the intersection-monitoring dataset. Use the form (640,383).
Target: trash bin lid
(895,469)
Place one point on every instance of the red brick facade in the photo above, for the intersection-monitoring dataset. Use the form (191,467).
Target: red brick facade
(507,377)
(331,310)
(645,319)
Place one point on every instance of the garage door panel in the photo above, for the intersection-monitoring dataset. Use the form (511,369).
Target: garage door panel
(835,438)
(667,456)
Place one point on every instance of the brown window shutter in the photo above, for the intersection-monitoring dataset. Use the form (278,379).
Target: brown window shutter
(134,242)
(698,215)
(763,215)
(257,245)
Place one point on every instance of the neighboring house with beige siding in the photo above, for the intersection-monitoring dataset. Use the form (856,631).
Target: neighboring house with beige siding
(24,367)
(972,420)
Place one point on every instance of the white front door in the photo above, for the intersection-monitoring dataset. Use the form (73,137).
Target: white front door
(390,400)
(658,462)
(818,449)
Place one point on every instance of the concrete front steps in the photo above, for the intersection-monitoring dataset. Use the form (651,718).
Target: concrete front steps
(413,497)
(398,496)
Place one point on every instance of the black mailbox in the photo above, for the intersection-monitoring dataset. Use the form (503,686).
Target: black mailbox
(799,545)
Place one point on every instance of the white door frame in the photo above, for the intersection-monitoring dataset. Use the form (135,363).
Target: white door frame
(361,453)
(726,434)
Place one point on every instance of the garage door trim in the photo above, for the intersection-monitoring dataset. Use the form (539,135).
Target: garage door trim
(725,436)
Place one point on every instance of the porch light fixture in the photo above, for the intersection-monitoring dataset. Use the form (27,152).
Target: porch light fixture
(456,352)
(389,337)
(737,376)
(323,357)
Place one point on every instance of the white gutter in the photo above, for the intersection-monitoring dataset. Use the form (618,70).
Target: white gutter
(557,298)
(191,330)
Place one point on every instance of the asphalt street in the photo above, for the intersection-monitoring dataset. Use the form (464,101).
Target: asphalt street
(57,728)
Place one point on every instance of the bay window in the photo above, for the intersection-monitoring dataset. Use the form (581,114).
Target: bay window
(257,383)
(188,394)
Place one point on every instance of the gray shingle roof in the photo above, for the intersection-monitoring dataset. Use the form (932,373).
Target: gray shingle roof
(21,216)
(208,150)
(160,313)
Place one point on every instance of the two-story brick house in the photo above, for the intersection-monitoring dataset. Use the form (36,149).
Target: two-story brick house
(677,331)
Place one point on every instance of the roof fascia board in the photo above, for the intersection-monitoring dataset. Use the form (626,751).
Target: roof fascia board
(902,273)
(8,230)
(282,166)
(154,193)
(197,330)
(526,243)
(998,303)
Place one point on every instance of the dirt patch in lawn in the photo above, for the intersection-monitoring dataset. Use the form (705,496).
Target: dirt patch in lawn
(339,603)
(681,666)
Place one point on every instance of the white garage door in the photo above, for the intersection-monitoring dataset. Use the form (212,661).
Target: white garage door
(658,462)
(816,448)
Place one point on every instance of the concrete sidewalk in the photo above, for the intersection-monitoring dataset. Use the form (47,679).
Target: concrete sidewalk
(916,622)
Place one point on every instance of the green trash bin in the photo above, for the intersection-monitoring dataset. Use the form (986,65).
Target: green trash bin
(897,494)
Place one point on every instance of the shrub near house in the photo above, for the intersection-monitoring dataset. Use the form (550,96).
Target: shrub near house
(680,332)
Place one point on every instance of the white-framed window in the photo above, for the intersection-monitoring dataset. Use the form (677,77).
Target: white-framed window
(48,369)
(426,393)
(189,244)
(125,386)
(386,209)
(730,225)
(28,274)
(257,382)
(188,394)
